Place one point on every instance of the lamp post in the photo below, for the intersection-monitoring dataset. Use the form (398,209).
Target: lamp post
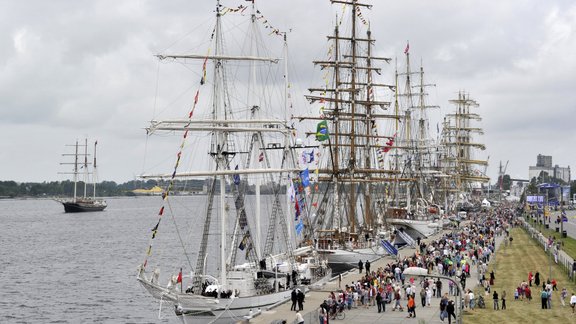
(421,272)
(562,212)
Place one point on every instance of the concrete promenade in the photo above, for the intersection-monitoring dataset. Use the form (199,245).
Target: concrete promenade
(369,315)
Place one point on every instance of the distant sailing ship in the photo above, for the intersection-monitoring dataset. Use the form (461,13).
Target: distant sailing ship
(84,203)
(461,162)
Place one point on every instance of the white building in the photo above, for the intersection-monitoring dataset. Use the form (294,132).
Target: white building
(544,163)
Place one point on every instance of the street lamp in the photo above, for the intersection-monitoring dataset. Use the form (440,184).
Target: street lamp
(421,272)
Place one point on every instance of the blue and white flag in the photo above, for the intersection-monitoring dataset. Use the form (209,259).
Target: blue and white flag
(299,227)
(291,191)
(305,177)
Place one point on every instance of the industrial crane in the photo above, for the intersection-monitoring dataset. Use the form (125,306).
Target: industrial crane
(501,173)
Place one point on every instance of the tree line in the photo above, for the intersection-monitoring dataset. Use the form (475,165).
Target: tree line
(13,189)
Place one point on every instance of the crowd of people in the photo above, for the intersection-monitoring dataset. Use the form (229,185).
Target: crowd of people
(454,254)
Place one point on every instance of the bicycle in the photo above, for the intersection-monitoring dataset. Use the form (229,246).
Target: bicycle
(338,312)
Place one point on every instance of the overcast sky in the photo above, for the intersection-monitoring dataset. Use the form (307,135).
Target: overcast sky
(75,69)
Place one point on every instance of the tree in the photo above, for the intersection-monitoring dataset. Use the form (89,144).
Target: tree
(532,188)
(543,177)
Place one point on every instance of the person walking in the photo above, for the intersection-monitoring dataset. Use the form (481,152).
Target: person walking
(466,299)
(294,298)
(530,278)
(360,266)
(472,300)
(450,311)
(423,296)
(367,266)
(299,318)
(323,313)
(563,295)
(544,298)
(411,306)
(439,288)
(428,296)
(300,298)
(379,301)
(443,304)
(537,279)
(573,302)
(495,298)
(503,299)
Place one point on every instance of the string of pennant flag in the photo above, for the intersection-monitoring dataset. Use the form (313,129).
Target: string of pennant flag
(168,189)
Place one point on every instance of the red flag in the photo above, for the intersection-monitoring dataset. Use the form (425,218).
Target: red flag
(261,157)
(179,277)
(407,48)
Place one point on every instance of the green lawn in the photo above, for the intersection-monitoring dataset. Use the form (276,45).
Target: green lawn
(569,243)
(511,267)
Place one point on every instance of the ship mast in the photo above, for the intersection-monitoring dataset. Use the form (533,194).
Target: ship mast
(353,140)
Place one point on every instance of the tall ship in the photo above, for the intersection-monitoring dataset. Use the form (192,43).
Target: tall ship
(343,202)
(231,253)
(87,171)
(462,161)
(413,205)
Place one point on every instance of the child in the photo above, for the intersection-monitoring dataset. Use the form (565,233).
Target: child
(563,295)
(516,294)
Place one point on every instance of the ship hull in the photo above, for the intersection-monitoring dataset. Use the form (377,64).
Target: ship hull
(340,260)
(200,309)
(79,207)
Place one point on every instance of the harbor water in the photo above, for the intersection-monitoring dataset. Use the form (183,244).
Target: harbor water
(76,268)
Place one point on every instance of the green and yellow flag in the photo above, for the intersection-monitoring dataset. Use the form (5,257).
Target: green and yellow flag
(322,131)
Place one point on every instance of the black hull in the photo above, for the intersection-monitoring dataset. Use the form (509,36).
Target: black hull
(72,207)
(338,268)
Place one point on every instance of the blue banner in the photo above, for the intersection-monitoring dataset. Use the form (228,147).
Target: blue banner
(299,227)
(389,247)
(305,177)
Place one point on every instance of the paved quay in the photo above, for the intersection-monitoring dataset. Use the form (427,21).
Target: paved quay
(368,315)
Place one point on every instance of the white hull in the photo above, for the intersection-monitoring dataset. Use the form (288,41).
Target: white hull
(200,309)
(416,228)
(352,256)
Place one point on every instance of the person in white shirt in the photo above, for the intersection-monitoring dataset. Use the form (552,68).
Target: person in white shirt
(573,302)
(472,300)
(299,318)
(428,296)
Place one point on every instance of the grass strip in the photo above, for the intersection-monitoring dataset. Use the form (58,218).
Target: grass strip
(511,267)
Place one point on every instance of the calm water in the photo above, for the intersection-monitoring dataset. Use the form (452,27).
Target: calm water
(76,268)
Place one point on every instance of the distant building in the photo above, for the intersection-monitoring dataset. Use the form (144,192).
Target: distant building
(544,163)
(155,191)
